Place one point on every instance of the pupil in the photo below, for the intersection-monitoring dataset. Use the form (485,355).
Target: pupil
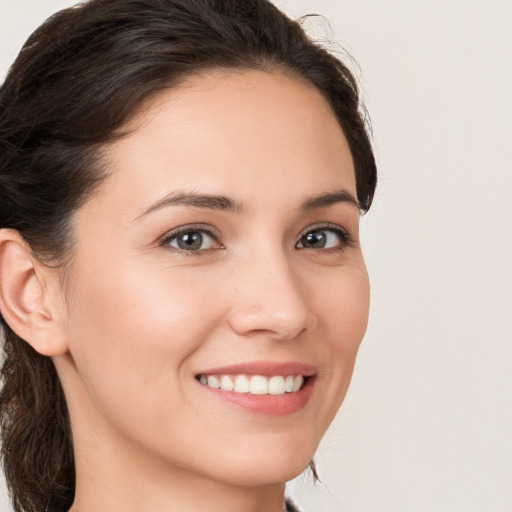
(315,239)
(190,241)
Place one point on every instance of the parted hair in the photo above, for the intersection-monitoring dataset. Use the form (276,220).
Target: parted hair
(77,81)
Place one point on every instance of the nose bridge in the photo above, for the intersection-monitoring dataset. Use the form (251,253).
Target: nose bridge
(270,297)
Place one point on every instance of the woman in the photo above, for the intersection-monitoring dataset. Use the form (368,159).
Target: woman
(182,287)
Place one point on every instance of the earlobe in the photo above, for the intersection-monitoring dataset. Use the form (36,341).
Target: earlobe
(25,302)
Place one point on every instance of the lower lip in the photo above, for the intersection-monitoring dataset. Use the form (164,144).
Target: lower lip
(269,405)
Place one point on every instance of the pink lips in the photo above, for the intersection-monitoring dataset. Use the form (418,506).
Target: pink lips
(271,405)
(264,368)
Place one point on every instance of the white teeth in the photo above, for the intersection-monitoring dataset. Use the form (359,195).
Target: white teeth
(242,384)
(259,385)
(213,381)
(276,386)
(255,385)
(297,382)
(226,384)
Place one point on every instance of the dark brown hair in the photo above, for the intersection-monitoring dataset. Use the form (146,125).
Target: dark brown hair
(76,82)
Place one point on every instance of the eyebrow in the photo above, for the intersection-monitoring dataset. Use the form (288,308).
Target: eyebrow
(330,198)
(208,201)
(215,202)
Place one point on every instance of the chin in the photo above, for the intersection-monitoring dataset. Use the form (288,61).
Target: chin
(256,476)
(269,467)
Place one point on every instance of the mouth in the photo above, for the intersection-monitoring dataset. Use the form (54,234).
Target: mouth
(255,384)
(266,388)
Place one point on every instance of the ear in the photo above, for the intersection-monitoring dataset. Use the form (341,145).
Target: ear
(30,298)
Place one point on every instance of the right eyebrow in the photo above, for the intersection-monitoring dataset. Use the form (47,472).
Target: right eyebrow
(207,201)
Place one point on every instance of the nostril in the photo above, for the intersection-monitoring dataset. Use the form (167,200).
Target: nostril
(265,320)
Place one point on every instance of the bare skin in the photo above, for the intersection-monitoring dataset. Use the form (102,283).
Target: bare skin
(275,275)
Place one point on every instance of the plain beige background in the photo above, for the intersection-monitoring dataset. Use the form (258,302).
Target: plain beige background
(427,424)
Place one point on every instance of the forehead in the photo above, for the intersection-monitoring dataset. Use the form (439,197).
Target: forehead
(230,129)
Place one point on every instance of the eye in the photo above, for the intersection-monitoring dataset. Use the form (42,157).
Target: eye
(324,238)
(192,240)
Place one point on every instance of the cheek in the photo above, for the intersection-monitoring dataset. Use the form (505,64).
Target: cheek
(344,318)
(134,330)
(352,314)
(343,308)
(136,307)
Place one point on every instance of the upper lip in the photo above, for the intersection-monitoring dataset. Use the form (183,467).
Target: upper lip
(264,368)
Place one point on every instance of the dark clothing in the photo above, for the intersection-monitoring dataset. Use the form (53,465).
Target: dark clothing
(289,506)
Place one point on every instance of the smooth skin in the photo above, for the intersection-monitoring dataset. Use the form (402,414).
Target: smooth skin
(145,310)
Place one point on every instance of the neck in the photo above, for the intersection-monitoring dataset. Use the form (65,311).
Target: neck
(194,496)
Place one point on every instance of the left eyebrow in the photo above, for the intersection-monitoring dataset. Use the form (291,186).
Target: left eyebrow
(323,200)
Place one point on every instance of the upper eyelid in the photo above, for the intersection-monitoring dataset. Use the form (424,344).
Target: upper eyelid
(346,239)
(192,227)
(326,226)
(188,228)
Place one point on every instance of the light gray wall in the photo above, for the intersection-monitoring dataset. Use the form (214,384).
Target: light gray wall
(427,425)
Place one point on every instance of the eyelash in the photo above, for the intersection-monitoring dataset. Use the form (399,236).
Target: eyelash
(345,240)
(344,237)
(198,228)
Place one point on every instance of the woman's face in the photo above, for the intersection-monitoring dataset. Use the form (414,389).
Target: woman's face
(223,245)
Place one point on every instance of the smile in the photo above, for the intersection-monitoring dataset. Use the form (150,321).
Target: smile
(254,384)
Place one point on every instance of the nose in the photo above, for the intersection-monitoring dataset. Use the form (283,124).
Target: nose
(269,299)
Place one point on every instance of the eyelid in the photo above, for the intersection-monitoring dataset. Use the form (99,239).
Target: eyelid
(186,228)
(347,240)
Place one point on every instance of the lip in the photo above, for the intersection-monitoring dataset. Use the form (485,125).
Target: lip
(267,405)
(264,368)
